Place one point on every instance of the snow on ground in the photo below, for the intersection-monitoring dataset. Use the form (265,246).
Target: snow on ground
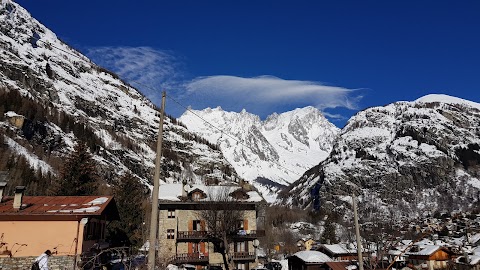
(35,162)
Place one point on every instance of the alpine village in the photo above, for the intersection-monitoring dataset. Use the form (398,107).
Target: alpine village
(97,175)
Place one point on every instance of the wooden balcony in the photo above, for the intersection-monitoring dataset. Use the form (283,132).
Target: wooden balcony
(193,258)
(244,256)
(192,235)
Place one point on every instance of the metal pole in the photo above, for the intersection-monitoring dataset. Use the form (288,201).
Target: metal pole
(156,184)
(357,233)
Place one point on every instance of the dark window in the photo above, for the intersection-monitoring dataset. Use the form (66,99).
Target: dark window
(197,225)
(170,234)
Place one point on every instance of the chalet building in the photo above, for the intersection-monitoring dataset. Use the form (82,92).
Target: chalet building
(183,234)
(67,225)
(339,252)
(308,260)
(428,257)
(305,244)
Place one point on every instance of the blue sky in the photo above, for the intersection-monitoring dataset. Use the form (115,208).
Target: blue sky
(273,56)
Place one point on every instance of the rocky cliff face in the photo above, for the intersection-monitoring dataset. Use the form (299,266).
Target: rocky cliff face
(52,95)
(273,152)
(404,160)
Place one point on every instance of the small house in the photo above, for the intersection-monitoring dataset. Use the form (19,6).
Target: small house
(428,257)
(308,260)
(339,252)
(66,225)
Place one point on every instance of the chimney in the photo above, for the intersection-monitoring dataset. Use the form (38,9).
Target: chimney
(184,189)
(2,189)
(17,201)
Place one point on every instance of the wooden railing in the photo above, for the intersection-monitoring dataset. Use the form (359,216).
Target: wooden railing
(190,258)
(191,235)
(244,255)
(200,235)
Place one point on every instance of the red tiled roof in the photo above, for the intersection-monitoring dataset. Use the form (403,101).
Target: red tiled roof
(56,207)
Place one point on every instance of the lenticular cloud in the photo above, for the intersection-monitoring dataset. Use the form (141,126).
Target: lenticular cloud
(269,90)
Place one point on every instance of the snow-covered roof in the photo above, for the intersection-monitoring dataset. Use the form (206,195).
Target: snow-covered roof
(339,249)
(424,250)
(310,256)
(173,192)
(475,238)
(425,242)
(472,259)
(42,206)
(11,114)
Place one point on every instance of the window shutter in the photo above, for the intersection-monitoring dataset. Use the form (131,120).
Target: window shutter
(202,247)
(190,247)
(202,225)
(190,225)
(245,224)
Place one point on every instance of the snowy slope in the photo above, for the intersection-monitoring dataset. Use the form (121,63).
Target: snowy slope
(97,105)
(279,149)
(405,159)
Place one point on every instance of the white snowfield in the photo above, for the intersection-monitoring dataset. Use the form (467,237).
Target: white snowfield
(280,148)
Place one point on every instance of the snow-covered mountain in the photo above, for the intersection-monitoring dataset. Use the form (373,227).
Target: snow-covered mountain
(405,159)
(52,95)
(279,149)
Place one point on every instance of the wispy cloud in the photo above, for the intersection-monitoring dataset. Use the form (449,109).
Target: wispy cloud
(266,93)
(146,68)
(152,70)
(334,116)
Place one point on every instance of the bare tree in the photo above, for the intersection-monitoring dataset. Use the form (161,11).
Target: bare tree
(222,214)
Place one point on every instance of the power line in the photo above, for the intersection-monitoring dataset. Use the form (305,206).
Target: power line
(60,49)
(223,132)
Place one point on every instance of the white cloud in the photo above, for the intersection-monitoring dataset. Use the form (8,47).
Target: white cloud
(152,71)
(334,116)
(268,93)
(146,68)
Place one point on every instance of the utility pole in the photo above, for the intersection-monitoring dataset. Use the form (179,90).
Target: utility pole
(156,183)
(357,233)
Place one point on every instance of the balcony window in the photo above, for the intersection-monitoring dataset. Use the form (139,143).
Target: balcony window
(196,247)
(197,225)
(240,247)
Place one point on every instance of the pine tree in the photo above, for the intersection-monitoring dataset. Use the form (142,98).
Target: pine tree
(79,175)
(329,235)
(130,196)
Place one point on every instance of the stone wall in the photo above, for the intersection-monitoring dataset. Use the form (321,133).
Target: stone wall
(25,263)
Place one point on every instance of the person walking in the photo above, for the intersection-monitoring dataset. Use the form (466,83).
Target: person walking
(42,261)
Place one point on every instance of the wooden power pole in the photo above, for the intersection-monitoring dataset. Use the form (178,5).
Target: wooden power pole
(357,233)
(156,184)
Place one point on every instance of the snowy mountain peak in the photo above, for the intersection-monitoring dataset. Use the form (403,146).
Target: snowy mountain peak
(447,99)
(57,96)
(279,149)
(405,159)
